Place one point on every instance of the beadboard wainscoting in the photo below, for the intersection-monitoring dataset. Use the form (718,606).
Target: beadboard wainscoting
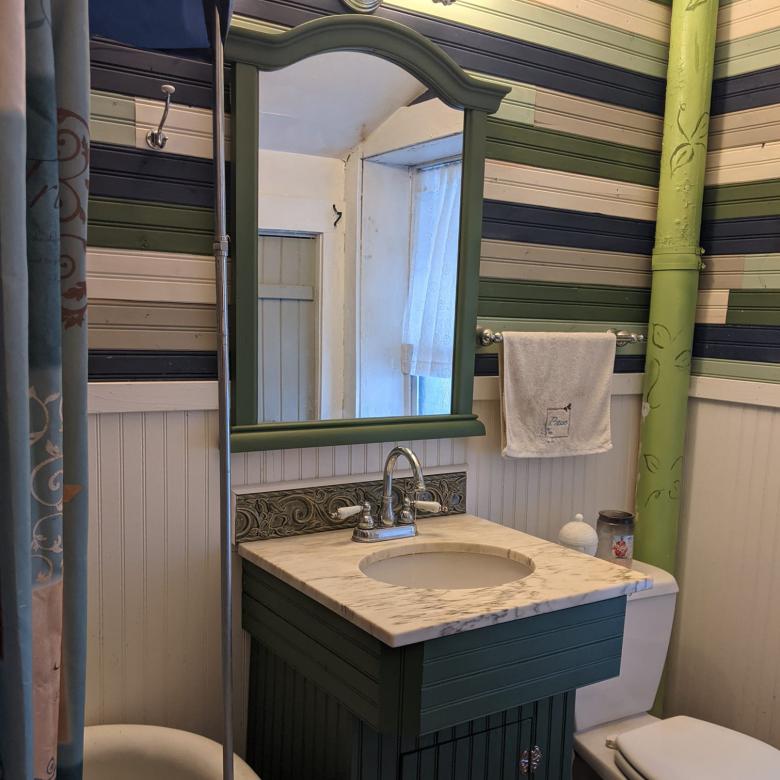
(154,615)
(725,657)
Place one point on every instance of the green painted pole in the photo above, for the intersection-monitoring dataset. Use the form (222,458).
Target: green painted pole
(676,265)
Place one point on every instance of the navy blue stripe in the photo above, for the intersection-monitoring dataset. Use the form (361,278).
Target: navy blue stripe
(150,366)
(747,236)
(487,364)
(132,365)
(756,343)
(563,227)
(748,90)
(493,54)
(128,71)
(144,174)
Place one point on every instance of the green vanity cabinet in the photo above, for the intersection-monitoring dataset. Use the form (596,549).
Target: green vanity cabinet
(327,701)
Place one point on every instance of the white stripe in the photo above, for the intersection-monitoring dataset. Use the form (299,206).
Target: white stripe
(746,17)
(712,307)
(116,397)
(557,189)
(744,163)
(139,275)
(752,127)
(188,129)
(640,17)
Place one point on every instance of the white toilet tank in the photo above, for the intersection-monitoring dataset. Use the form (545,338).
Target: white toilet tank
(648,628)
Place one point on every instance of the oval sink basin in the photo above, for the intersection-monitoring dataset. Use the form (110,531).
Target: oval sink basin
(446,566)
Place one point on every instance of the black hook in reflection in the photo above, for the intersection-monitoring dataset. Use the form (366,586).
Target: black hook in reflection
(338,215)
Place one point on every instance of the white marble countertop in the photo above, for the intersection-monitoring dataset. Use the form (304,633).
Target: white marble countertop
(326,567)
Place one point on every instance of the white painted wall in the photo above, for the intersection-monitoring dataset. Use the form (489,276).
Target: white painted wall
(386,210)
(297,194)
(413,126)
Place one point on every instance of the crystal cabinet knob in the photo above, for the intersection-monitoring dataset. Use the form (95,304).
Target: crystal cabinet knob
(530,761)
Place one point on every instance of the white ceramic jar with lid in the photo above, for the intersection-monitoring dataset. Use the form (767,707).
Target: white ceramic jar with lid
(579,535)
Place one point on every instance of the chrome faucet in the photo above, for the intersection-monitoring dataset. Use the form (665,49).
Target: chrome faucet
(387,516)
(389,525)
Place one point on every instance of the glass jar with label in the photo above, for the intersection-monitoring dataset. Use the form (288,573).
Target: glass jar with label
(615,529)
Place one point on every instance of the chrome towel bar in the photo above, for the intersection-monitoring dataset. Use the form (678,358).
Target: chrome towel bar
(486,337)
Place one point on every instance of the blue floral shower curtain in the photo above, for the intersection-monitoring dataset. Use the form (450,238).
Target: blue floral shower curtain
(44,165)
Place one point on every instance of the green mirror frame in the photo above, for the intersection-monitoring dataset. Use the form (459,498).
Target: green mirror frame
(250,51)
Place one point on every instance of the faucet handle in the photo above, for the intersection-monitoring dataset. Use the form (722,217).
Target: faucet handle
(427,506)
(406,517)
(343,512)
(367,521)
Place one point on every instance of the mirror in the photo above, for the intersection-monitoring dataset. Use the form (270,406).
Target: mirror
(359,204)
(358,168)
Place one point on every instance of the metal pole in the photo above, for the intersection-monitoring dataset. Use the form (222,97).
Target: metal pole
(676,264)
(220,260)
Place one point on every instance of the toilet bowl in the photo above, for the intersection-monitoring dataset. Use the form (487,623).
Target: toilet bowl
(617,737)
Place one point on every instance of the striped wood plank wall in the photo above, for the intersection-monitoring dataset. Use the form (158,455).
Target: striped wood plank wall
(570,183)
(742,199)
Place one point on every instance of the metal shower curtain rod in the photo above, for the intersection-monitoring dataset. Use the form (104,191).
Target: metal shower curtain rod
(220,261)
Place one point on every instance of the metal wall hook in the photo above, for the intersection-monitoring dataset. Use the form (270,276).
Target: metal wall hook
(157,139)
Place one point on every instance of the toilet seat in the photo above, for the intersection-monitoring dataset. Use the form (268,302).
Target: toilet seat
(683,748)
(626,769)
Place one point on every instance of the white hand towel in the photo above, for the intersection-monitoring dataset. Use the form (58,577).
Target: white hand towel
(555,393)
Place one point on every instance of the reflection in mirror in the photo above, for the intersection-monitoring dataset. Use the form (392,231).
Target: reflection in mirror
(360,181)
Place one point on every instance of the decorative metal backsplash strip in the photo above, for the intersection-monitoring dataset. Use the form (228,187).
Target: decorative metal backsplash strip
(281,513)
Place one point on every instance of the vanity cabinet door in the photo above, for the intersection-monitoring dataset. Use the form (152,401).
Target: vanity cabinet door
(495,754)
(552,739)
(538,745)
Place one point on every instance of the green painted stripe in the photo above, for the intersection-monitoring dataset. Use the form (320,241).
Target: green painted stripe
(753,307)
(733,201)
(545,26)
(112,119)
(761,272)
(736,369)
(529,300)
(511,142)
(745,272)
(129,224)
(563,326)
(748,54)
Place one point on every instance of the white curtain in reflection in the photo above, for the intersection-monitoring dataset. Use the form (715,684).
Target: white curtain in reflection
(429,318)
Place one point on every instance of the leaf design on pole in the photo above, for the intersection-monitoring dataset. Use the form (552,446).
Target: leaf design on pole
(685,152)
(653,465)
